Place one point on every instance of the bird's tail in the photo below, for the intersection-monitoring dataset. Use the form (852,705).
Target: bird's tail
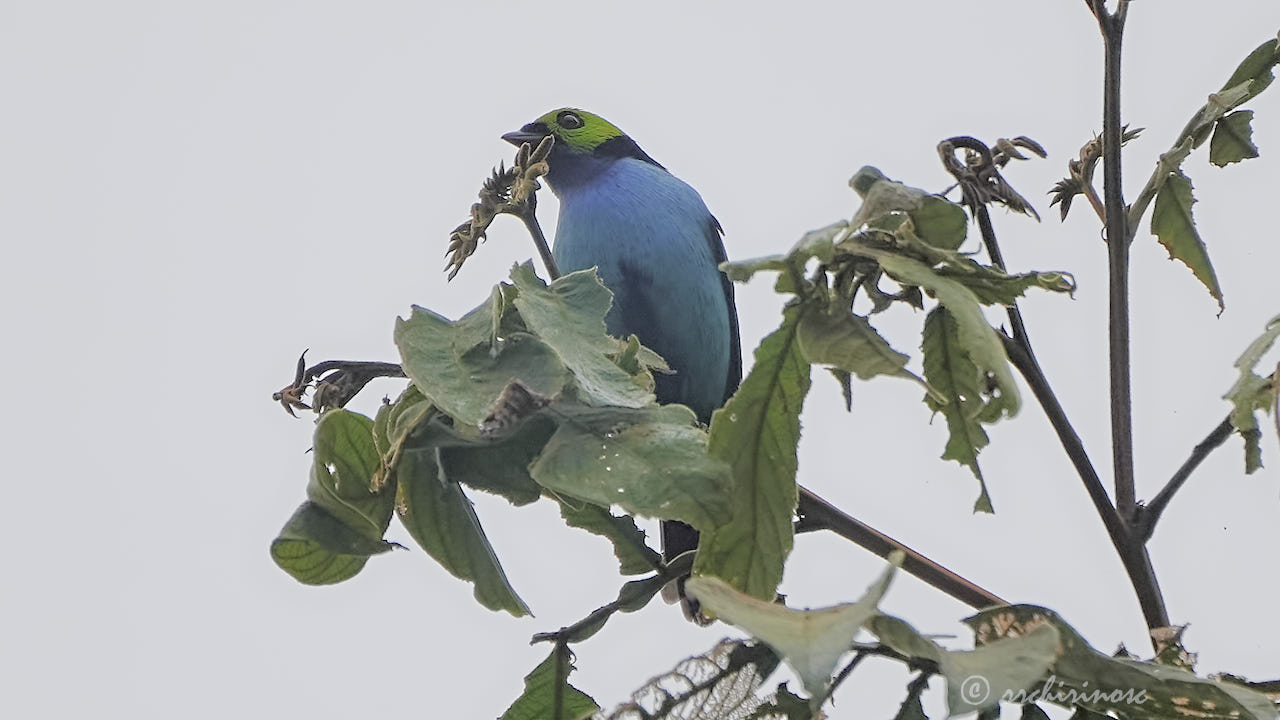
(679,538)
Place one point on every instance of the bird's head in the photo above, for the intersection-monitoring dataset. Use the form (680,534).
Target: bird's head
(585,143)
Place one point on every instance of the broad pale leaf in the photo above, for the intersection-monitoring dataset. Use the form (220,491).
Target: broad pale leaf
(756,432)
(541,687)
(811,641)
(462,378)
(651,462)
(441,519)
(568,315)
(1173,224)
(977,679)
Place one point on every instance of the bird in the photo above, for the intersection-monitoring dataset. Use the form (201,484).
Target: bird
(658,248)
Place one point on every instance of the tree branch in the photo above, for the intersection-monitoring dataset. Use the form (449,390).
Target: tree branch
(818,514)
(1150,515)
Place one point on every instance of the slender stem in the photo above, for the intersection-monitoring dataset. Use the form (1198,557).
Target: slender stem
(1112,26)
(1130,549)
(817,513)
(1151,513)
(530,220)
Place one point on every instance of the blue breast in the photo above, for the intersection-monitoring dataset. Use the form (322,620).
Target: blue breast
(655,244)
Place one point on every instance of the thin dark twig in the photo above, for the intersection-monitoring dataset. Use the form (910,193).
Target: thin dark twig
(1112,26)
(530,219)
(1131,551)
(1150,514)
(816,513)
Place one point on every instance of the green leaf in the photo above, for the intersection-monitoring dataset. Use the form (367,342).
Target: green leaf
(1173,225)
(318,549)
(345,463)
(911,709)
(464,378)
(635,557)
(848,342)
(975,336)
(978,679)
(1251,393)
(441,519)
(1031,711)
(651,462)
(1233,139)
(1255,70)
(569,316)
(756,432)
(541,688)
(950,370)
(500,468)
(811,641)
(1126,688)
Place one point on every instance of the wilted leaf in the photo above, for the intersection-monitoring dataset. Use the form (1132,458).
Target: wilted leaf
(993,287)
(1251,393)
(756,432)
(938,222)
(950,370)
(1173,225)
(651,462)
(811,641)
(441,519)
(720,685)
(541,688)
(1233,139)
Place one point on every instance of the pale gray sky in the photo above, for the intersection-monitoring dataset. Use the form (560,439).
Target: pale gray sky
(192,193)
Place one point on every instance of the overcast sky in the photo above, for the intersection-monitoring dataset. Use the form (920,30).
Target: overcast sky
(193,193)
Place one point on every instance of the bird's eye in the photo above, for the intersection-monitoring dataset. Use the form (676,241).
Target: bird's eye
(569,120)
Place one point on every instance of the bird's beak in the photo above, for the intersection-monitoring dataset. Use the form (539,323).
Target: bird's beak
(531,133)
